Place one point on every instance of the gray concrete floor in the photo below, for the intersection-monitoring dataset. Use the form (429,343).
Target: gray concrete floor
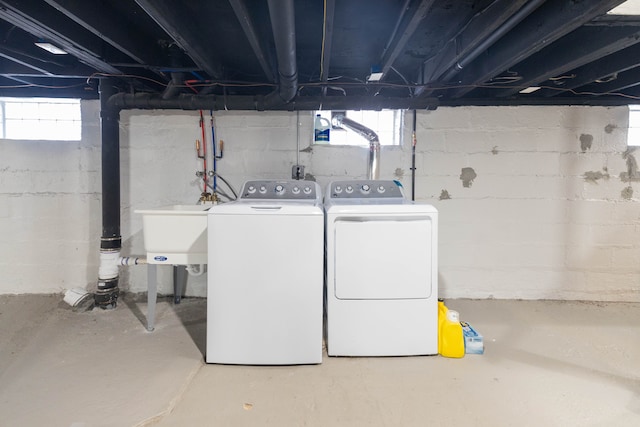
(546,364)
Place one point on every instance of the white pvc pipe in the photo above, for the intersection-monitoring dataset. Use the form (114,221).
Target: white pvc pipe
(108,264)
(132,260)
(195,269)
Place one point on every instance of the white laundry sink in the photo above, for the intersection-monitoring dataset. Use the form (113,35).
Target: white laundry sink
(175,234)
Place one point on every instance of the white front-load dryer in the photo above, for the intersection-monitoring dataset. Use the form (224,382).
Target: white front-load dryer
(265,277)
(381,271)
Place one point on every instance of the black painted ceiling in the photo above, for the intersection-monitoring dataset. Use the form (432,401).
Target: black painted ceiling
(303,54)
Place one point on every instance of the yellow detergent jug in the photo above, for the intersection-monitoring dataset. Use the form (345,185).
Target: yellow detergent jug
(442,315)
(452,339)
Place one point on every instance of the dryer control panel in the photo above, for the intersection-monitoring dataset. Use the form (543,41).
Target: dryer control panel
(279,190)
(365,189)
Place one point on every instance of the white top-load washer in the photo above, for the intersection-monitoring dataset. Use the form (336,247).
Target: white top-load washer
(265,278)
(381,271)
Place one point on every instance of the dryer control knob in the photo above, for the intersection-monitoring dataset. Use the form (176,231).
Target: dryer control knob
(263,189)
(365,189)
(279,189)
(307,190)
(349,189)
(338,189)
(381,189)
(251,189)
(295,190)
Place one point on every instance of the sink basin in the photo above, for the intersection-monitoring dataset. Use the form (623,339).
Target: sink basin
(175,234)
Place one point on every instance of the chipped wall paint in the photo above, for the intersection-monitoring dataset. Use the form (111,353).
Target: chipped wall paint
(531,226)
(586,141)
(467,175)
(444,195)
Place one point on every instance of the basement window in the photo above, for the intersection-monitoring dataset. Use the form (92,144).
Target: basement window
(387,124)
(44,119)
(633,133)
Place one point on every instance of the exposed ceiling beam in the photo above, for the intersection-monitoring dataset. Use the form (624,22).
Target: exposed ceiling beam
(580,47)
(517,101)
(545,25)
(625,80)
(25,62)
(615,63)
(260,103)
(390,55)
(36,20)
(106,24)
(174,20)
(327,38)
(475,33)
(241,11)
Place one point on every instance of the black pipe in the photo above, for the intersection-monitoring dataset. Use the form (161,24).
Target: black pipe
(111,241)
(283,24)
(413,158)
(513,20)
(174,87)
(145,101)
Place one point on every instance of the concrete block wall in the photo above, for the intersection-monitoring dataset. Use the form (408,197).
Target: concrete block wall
(50,220)
(535,202)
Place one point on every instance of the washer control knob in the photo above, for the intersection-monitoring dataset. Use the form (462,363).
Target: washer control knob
(365,189)
(349,189)
(279,189)
(307,190)
(262,189)
(381,189)
(338,189)
(251,189)
(295,190)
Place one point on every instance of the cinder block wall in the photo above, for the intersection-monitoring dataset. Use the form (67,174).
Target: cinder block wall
(535,202)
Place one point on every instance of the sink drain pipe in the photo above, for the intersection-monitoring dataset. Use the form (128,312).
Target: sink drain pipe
(106,296)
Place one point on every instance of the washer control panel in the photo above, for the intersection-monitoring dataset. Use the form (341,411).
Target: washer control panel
(365,189)
(279,190)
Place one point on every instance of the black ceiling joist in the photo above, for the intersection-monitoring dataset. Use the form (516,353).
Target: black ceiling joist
(602,69)
(38,21)
(244,18)
(551,21)
(390,55)
(622,81)
(580,47)
(479,29)
(327,39)
(106,24)
(171,17)
(145,101)
(25,62)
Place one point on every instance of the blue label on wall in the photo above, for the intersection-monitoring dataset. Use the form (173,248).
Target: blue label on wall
(160,258)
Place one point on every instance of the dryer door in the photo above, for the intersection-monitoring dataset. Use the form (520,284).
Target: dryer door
(383,258)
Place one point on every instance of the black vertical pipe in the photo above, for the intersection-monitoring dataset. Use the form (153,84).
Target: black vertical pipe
(413,158)
(111,241)
(283,23)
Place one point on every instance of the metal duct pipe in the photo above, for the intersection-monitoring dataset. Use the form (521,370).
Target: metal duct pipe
(110,243)
(373,169)
(283,25)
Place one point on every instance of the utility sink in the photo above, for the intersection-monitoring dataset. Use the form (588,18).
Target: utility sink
(175,234)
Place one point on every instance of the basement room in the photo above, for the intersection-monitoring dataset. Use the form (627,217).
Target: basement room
(320,213)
